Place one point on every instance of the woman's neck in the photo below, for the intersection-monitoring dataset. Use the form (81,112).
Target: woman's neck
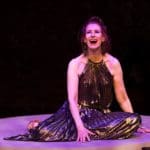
(96,56)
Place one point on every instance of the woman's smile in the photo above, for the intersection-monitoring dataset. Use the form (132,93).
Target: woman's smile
(93,36)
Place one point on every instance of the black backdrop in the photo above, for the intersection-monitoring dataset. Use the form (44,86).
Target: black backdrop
(42,38)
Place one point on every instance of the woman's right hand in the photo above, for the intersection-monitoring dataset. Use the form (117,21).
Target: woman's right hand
(83,134)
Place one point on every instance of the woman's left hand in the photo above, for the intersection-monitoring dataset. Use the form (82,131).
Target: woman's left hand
(143,129)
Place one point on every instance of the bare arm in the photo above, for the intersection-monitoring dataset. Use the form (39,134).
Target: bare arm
(121,94)
(72,88)
(119,87)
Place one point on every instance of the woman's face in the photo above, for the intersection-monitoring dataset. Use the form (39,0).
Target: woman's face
(93,36)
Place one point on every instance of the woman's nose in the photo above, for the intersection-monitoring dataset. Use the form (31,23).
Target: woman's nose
(92,34)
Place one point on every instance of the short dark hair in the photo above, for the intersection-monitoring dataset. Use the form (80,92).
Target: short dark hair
(106,45)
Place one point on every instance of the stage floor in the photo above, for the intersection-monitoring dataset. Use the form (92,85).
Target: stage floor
(17,125)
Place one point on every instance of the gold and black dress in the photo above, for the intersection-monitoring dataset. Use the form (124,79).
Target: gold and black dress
(94,99)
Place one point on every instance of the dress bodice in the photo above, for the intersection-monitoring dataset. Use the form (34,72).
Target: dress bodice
(95,86)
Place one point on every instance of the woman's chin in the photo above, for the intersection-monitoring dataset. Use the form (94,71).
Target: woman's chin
(94,47)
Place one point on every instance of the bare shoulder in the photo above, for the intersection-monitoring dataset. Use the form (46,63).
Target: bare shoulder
(112,63)
(77,64)
(108,58)
(77,61)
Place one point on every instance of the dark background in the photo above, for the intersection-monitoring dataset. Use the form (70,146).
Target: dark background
(42,38)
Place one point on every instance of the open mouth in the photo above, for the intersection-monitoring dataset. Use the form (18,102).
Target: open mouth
(93,41)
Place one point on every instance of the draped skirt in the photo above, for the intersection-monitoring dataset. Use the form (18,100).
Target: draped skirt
(60,126)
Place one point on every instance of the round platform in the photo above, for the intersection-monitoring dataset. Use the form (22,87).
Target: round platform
(17,125)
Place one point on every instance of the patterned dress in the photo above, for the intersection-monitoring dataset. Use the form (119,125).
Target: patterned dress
(94,99)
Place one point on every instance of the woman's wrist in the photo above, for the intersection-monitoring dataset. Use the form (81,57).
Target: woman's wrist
(80,126)
(142,127)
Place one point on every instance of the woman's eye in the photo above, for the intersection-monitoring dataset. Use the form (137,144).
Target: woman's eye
(97,31)
(88,32)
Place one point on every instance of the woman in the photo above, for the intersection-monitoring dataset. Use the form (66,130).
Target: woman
(96,72)
(91,79)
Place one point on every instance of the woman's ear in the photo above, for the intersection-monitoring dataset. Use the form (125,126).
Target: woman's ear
(103,39)
(84,40)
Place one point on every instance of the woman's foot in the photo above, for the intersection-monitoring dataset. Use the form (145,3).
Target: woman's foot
(33,124)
